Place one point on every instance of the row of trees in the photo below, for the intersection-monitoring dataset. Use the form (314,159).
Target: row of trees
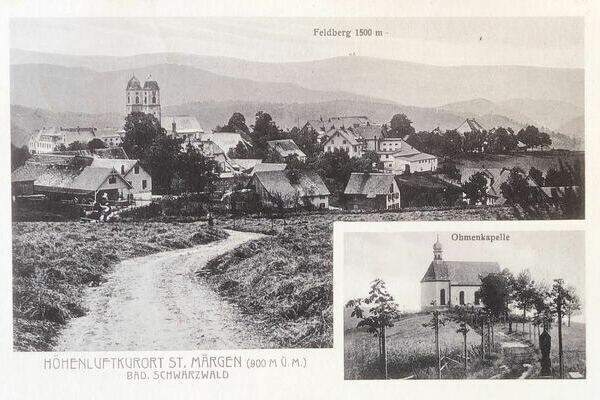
(498,141)
(501,292)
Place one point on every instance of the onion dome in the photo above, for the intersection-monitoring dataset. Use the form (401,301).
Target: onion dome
(150,84)
(437,246)
(134,84)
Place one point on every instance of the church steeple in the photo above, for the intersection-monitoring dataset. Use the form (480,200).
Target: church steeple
(437,250)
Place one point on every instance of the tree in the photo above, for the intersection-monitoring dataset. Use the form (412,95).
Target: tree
(516,189)
(195,172)
(18,156)
(77,145)
(524,292)
(532,137)
(450,170)
(237,122)
(475,188)
(475,141)
(496,292)
(400,126)
(572,303)
(141,131)
(502,141)
(452,143)
(160,160)
(96,144)
(382,313)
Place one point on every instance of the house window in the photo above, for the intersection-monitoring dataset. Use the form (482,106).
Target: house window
(122,169)
(112,180)
(442,297)
(461,298)
(477,298)
(144,184)
(137,99)
(136,169)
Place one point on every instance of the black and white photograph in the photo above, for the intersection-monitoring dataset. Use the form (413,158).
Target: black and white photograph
(175,180)
(464,305)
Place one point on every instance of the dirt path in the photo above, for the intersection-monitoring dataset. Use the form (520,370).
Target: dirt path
(157,303)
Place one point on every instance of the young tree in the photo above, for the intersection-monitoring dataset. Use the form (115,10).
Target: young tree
(572,303)
(475,188)
(400,126)
(382,313)
(525,292)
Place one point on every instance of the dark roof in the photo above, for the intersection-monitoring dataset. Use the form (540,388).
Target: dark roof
(286,147)
(151,85)
(111,152)
(368,131)
(134,84)
(460,272)
(369,184)
(277,182)
(62,158)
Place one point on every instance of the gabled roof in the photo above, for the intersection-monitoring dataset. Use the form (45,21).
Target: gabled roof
(115,163)
(470,125)
(261,167)
(111,152)
(55,178)
(460,272)
(415,156)
(496,177)
(246,163)
(369,184)
(82,157)
(343,132)
(286,147)
(183,124)
(277,183)
(368,131)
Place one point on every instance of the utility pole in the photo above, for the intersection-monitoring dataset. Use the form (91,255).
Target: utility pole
(559,301)
(437,342)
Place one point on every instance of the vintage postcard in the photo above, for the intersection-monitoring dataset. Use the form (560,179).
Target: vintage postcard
(176,175)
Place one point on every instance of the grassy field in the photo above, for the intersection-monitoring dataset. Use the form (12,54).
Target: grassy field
(54,261)
(411,350)
(284,282)
(540,160)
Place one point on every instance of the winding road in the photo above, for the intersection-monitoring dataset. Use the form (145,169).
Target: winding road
(156,302)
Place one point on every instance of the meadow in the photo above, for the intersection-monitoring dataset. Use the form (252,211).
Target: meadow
(54,261)
(410,348)
(540,160)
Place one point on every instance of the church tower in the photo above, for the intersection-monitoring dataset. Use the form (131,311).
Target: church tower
(152,98)
(437,250)
(133,93)
(144,99)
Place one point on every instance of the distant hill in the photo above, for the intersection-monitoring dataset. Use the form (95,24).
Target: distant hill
(77,89)
(553,115)
(574,127)
(397,81)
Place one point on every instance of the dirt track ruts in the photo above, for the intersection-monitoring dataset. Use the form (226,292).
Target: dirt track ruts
(156,302)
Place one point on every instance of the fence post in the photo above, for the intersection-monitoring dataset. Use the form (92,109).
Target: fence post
(437,343)
(482,343)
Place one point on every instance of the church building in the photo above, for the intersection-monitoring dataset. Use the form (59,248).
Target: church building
(450,283)
(144,99)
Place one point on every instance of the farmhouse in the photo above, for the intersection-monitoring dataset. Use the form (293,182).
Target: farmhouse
(326,127)
(67,182)
(132,172)
(286,148)
(470,125)
(449,283)
(398,157)
(495,178)
(372,191)
(342,139)
(278,189)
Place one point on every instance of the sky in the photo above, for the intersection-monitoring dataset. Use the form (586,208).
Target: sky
(536,41)
(401,259)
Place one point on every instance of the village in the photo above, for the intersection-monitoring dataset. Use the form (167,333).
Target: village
(333,163)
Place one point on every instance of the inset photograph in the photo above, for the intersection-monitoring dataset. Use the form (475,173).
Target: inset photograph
(464,305)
